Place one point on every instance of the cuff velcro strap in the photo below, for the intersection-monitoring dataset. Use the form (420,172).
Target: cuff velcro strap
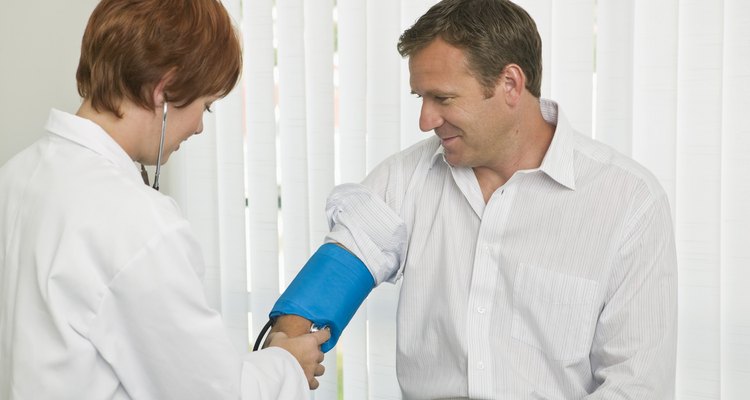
(327,291)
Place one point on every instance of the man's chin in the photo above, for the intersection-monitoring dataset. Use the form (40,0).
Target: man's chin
(453,160)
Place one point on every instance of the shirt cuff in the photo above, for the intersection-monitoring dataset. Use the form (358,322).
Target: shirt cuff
(363,223)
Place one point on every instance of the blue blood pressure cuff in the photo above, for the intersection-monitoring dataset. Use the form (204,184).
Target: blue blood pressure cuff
(327,291)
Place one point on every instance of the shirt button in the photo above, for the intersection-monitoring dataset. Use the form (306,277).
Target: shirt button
(481,310)
(480,365)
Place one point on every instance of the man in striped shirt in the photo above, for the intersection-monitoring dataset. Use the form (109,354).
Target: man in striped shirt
(536,263)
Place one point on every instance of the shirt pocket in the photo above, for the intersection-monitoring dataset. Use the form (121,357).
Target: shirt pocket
(554,312)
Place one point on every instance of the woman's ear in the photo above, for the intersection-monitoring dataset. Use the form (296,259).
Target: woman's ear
(159,95)
(512,83)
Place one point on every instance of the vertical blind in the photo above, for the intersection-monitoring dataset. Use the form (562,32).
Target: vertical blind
(324,97)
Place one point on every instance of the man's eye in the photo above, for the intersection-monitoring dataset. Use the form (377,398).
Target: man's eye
(208,108)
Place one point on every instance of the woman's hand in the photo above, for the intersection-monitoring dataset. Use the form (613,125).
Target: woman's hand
(306,349)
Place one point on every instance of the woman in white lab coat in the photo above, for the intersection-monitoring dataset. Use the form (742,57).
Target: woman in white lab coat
(100,292)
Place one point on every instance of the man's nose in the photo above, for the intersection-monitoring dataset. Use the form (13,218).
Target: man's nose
(429,116)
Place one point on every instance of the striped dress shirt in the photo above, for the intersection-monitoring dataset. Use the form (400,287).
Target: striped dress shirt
(562,286)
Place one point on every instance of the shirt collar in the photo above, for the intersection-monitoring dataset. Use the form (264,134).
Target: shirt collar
(558,161)
(90,135)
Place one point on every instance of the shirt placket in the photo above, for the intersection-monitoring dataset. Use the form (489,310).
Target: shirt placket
(482,369)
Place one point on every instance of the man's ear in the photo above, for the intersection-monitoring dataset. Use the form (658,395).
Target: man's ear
(512,83)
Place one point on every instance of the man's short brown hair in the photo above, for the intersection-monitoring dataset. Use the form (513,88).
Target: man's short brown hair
(493,34)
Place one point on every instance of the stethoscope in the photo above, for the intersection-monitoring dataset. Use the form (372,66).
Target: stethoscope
(262,334)
(144,174)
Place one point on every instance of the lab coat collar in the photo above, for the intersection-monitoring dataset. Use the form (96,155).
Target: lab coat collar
(90,135)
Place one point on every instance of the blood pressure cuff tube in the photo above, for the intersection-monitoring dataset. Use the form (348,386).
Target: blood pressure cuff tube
(327,291)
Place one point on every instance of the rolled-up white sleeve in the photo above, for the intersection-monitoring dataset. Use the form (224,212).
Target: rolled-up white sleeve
(362,222)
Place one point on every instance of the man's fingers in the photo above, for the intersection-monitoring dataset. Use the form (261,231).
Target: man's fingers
(322,335)
(314,384)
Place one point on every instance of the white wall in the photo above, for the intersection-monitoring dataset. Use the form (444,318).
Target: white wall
(39,47)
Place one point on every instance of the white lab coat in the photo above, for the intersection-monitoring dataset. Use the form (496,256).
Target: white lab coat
(100,292)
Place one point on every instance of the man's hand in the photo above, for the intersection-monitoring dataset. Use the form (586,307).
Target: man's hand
(306,349)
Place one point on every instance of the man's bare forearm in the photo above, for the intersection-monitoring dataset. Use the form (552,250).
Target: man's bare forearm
(292,325)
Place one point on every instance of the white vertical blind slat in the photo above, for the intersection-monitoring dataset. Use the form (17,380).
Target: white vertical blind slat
(735,194)
(698,212)
(655,89)
(293,137)
(614,80)
(231,210)
(260,159)
(320,112)
(572,64)
(231,218)
(352,45)
(381,314)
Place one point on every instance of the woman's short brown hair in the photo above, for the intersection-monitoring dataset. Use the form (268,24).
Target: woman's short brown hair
(130,45)
(493,33)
